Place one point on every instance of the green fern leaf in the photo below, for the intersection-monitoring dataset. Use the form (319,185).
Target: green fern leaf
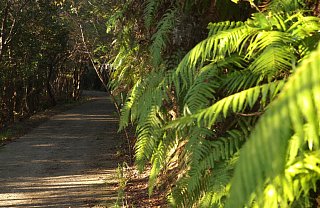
(235,103)
(149,135)
(214,28)
(159,39)
(300,97)
(149,11)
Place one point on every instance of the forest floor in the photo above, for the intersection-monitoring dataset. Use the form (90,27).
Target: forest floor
(68,161)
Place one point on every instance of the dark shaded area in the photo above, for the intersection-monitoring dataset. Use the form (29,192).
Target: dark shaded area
(91,81)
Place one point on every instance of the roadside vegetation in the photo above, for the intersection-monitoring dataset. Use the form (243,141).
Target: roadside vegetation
(223,97)
(219,100)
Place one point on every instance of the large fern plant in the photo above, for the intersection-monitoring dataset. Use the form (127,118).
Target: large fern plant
(268,53)
(280,162)
(191,119)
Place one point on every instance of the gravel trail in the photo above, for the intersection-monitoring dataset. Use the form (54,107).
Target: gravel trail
(68,161)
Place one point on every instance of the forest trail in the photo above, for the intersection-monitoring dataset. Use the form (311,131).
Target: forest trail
(68,161)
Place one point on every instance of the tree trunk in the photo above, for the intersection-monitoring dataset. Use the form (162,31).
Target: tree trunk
(49,87)
(3,29)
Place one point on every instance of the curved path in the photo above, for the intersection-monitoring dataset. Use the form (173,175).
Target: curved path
(68,161)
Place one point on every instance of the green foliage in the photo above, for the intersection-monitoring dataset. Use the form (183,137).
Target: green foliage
(210,167)
(40,59)
(236,103)
(285,5)
(160,37)
(290,127)
(150,11)
(193,114)
(117,15)
(123,178)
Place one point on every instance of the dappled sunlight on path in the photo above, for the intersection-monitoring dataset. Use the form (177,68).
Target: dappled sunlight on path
(68,161)
(85,190)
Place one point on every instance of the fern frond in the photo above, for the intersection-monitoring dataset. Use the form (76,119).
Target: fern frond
(117,14)
(303,26)
(142,94)
(216,27)
(235,103)
(274,61)
(124,74)
(238,102)
(239,80)
(215,198)
(187,195)
(208,170)
(214,47)
(304,173)
(149,11)
(179,193)
(283,5)
(159,39)
(280,29)
(148,137)
(297,106)
(259,38)
(264,39)
(202,91)
(135,94)
(157,162)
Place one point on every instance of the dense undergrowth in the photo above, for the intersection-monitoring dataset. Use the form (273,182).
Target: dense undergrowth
(226,116)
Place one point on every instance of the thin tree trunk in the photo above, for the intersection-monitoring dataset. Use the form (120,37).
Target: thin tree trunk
(3,29)
(49,87)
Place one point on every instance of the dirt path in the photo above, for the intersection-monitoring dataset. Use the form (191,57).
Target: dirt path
(69,161)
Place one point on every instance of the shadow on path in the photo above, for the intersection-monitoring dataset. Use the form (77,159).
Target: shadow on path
(69,161)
